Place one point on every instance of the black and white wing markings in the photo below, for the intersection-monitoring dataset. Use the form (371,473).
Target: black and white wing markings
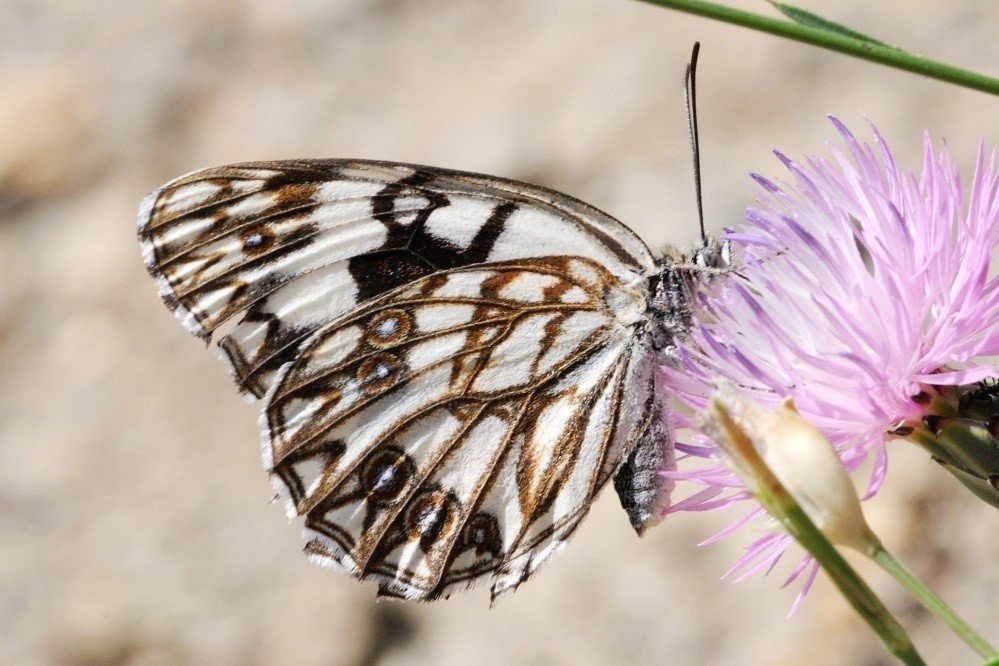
(287,247)
(453,365)
(460,425)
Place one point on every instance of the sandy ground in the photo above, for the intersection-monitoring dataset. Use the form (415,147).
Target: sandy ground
(134,517)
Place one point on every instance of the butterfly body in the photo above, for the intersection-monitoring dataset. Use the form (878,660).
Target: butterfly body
(451,365)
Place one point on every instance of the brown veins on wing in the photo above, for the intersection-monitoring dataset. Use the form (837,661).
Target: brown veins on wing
(354,360)
(400,507)
(222,280)
(413,340)
(495,466)
(285,212)
(360,405)
(250,222)
(352,467)
(516,548)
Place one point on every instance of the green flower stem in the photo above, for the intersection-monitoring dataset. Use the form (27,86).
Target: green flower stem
(933,603)
(858,48)
(779,502)
(851,585)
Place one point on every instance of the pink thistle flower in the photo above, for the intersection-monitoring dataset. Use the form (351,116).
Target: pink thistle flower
(858,284)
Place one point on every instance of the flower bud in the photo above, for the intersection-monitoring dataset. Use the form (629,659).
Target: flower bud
(798,455)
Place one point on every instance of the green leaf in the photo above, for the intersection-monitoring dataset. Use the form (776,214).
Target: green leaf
(811,20)
(982,488)
(971,445)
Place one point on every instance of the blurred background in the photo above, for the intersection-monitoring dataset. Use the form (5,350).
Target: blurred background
(134,518)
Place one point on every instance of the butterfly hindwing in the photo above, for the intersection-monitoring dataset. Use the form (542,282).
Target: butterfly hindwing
(475,415)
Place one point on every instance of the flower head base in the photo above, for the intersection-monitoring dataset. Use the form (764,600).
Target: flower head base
(858,285)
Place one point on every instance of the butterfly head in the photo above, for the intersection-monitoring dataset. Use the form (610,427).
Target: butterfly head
(714,253)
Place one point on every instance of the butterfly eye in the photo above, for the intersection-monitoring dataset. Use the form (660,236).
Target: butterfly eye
(256,240)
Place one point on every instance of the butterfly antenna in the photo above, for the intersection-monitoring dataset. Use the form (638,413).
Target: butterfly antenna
(690,96)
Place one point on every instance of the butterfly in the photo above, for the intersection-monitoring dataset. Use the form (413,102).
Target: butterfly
(451,366)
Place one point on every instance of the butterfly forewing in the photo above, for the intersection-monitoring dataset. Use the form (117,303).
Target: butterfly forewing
(452,365)
(286,247)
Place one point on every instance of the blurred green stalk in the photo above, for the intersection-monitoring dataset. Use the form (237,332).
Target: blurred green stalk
(933,603)
(837,40)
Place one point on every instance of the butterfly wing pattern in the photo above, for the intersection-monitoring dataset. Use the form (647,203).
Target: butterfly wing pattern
(451,365)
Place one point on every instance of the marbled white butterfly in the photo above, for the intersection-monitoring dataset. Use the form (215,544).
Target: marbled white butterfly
(451,365)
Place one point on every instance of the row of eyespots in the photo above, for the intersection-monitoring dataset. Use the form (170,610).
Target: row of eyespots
(389,472)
